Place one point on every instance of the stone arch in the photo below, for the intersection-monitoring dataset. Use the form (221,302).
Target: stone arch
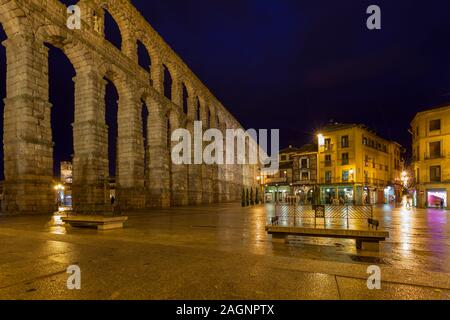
(167,82)
(76,52)
(148,43)
(13,19)
(144,128)
(178,172)
(144,59)
(198,109)
(185,99)
(111,30)
(120,15)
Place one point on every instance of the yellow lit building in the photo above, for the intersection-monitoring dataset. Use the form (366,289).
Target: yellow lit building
(431,150)
(355,165)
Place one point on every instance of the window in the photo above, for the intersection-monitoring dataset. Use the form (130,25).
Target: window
(435,125)
(304,163)
(386,168)
(305,175)
(328,160)
(417,131)
(435,173)
(417,175)
(366,177)
(365,141)
(328,144)
(366,161)
(345,175)
(435,150)
(344,159)
(344,141)
(328,176)
(283,158)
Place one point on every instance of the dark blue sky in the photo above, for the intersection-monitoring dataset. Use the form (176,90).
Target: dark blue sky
(294,65)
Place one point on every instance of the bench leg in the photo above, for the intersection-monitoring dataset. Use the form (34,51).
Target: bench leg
(279,238)
(371,246)
(358,244)
(110,226)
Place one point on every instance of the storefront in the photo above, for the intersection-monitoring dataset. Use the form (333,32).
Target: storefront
(304,194)
(276,193)
(389,195)
(436,198)
(337,194)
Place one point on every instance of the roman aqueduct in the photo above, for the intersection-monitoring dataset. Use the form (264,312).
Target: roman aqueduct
(144,178)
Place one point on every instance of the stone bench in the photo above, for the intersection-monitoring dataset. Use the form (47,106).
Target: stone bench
(365,239)
(99,222)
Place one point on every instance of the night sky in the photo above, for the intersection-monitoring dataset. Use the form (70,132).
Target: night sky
(295,65)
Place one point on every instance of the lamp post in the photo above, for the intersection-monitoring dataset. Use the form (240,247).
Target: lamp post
(59,189)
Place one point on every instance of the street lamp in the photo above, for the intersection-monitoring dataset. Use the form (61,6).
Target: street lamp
(321,139)
(59,188)
(405,178)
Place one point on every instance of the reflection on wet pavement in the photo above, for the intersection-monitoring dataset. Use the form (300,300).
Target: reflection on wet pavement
(224,237)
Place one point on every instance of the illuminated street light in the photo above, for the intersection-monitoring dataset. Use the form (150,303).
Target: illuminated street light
(321,139)
(59,187)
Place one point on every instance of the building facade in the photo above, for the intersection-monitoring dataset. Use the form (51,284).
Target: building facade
(431,157)
(305,173)
(356,166)
(278,183)
(296,176)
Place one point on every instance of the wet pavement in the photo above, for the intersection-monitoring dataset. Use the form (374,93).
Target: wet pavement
(221,252)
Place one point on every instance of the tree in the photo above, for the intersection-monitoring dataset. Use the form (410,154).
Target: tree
(252,200)
(243,198)
(256,197)
(247,200)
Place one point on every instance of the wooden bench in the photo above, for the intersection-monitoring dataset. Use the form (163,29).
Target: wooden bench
(365,239)
(99,222)
(373,223)
(274,220)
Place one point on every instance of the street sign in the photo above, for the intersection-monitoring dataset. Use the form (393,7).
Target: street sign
(319,211)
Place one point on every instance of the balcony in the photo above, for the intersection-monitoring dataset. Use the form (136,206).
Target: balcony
(375,182)
(276,180)
(436,179)
(328,147)
(366,182)
(432,156)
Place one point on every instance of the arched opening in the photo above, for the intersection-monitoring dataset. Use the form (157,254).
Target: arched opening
(62,97)
(167,83)
(112,30)
(111,111)
(144,116)
(169,148)
(144,59)
(2,96)
(185,100)
(197,111)
(208,119)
